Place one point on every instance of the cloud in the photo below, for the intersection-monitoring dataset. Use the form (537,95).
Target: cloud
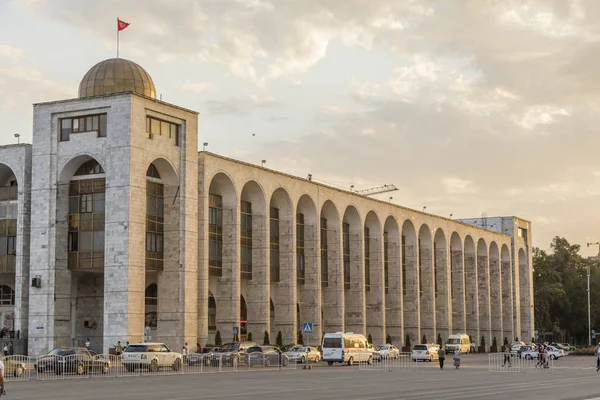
(334,111)
(10,52)
(540,115)
(239,105)
(196,87)
(455,185)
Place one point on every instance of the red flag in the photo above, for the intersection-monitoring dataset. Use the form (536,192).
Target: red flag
(121,25)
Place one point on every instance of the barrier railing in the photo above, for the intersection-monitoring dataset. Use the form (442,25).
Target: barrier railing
(17,368)
(499,362)
(401,362)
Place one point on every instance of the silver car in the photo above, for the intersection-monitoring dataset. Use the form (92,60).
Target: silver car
(301,354)
(389,351)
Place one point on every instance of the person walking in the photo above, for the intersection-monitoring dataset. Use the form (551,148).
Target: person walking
(184,352)
(441,356)
(540,356)
(198,348)
(87,343)
(11,348)
(506,357)
(119,349)
(5,349)
(457,358)
(2,381)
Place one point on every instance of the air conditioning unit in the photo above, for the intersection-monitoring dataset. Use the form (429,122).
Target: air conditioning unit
(36,282)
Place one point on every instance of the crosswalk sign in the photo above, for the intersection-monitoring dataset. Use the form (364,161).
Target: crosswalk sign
(307,327)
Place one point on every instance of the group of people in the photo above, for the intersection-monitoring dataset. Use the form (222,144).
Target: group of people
(8,349)
(442,357)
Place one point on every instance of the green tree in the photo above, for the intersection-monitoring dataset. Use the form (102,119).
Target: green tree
(483,341)
(218,341)
(266,338)
(279,340)
(505,341)
(249,336)
(388,339)
(439,339)
(370,339)
(300,338)
(424,339)
(407,341)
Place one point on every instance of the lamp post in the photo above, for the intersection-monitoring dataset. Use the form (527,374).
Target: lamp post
(204,146)
(588,293)
(18,138)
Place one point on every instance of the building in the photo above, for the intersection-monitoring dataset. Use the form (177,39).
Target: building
(112,221)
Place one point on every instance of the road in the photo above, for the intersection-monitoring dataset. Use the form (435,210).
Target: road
(572,378)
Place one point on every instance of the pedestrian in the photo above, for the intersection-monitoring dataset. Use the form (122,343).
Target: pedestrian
(11,349)
(87,343)
(119,348)
(545,358)
(506,357)
(5,349)
(2,381)
(457,358)
(441,356)
(198,348)
(540,356)
(598,358)
(472,347)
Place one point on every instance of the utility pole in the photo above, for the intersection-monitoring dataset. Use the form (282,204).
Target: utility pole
(588,293)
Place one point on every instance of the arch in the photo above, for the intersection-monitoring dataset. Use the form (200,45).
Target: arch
(495,297)
(151,305)
(166,170)
(71,166)
(212,313)
(152,172)
(392,280)
(7,295)
(483,290)
(222,185)
(471,299)
(281,262)
(426,282)
(410,282)
(507,299)
(7,176)
(457,283)
(441,285)
(353,261)
(90,167)
(332,293)
(243,316)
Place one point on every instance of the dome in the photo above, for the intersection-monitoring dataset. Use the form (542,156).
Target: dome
(116,75)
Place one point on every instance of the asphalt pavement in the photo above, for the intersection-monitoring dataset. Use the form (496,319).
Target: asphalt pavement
(573,377)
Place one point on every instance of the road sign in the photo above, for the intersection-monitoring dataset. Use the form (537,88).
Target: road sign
(236,330)
(307,327)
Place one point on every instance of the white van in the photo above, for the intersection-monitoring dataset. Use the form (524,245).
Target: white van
(346,348)
(460,341)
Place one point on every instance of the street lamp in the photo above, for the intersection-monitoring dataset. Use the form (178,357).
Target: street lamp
(263,163)
(588,293)
(18,138)
(204,145)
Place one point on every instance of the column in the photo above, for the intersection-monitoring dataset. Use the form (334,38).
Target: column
(333,293)
(375,296)
(442,294)
(459,323)
(472,313)
(484,300)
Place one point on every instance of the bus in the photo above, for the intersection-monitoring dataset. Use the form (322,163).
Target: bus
(346,347)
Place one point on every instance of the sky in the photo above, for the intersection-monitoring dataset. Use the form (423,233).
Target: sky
(467,106)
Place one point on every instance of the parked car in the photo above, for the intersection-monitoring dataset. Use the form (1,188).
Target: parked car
(265,356)
(233,353)
(458,341)
(553,353)
(562,346)
(72,360)
(425,352)
(151,356)
(288,347)
(301,354)
(376,351)
(203,357)
(389,351)
(525,349)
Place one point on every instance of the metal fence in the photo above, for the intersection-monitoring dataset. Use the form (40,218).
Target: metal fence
(499,362)
(401,362)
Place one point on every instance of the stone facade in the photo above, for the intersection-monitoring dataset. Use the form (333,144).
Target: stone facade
(276,251)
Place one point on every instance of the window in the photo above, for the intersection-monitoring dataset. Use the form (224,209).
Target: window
(7,296)
(154,225)
(8,245)
(419,269)
(386,261)
(367,240)
(274,243)
(324,256)
(300,260)
(152,295)
(152,172)
(215,235)
(246,240)
(346,251)
(163,128)
(91,167)
(88,123)
(403,265)
(212,314)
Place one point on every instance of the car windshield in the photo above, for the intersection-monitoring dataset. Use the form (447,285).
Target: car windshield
(385,347)
(332,343)
(136,349)
(300,349)
(60,352)
(254,350)
(420,347)
(230,347)
(453,341)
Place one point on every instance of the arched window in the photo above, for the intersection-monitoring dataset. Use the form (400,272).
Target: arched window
(7,296)
(152,294)
(91,167)
(212,313)
(152,172)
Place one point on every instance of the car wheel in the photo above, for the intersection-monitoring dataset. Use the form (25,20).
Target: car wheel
(129,368)
(302,360)
(552,357)
(330,363)
(370,360)
(351,361)
(105,368)
(80,369)
(528,357)
(285,362)
(18,371)
(177,364)
(154,365)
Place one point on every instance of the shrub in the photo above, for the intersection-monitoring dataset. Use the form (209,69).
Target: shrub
(407,341)
(218,341)
(249,336)
(439,339)
(505,341)
(584,351)
(494,342)
(266,338)
(388,339)
(279,340)
(370,339)
(300,338)
(483,341)
(424,339)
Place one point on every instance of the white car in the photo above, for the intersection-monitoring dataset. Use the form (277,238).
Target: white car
(389,351)
(300,354)
(151,356)
(424,352)
(553,353)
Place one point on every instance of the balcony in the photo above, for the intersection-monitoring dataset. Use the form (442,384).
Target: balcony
(8,263)
(86,260)
(9,193)
(154,261)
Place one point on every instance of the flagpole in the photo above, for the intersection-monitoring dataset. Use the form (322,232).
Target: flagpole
(117,37)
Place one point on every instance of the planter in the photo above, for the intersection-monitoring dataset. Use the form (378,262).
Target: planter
(406,349)
(481,349)
(493,349)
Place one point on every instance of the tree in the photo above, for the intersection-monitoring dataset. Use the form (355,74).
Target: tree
(439,339)
(505,341)
(424,339)
(482,340)
(300,338)
(407,341)
(370,339)
(266,338)
(388,339)
(279,340)
(249,336)
(494,342)
(218,341)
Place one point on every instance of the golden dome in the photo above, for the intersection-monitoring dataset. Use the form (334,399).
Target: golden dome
(116,75)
